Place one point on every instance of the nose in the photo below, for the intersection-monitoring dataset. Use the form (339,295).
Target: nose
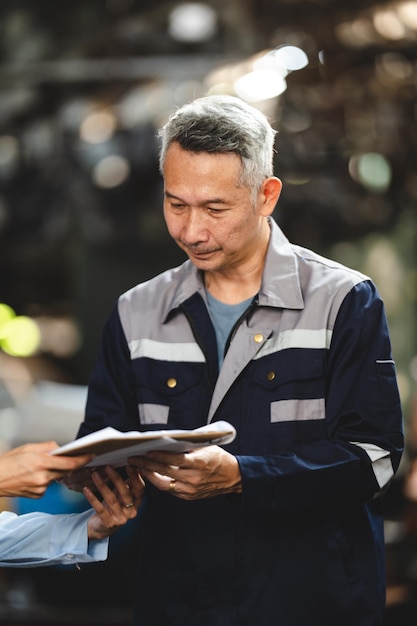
(194,230)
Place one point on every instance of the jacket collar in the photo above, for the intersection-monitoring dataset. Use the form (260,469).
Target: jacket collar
(280,282)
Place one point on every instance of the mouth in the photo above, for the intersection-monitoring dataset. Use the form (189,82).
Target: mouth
(200,253)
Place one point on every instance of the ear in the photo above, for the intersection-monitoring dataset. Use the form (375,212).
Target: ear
(270,192)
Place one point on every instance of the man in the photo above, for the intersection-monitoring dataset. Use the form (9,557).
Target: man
(38,539)
(284,525)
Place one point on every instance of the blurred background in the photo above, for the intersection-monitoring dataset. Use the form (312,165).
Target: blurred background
(84,86)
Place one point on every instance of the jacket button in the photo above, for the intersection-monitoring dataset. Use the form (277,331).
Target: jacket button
(171,383)
(258,338)
(270,375)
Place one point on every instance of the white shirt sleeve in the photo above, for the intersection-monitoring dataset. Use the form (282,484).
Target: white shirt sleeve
(37,539)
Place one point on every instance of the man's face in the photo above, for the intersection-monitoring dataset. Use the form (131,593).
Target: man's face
(207,212)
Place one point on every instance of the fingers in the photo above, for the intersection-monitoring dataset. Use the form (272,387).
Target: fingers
(162,464)
(163,459)
(170,472)
(110,511)
(78,479)
(68,463)
(118,493)
(128,491)
(92,499)
(56,462)
(201,474)
(136,483)
(42,446)
(160,481)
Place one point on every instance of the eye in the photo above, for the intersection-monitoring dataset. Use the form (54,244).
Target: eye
(212,211)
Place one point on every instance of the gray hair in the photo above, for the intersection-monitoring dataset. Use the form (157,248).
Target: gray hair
(222,124)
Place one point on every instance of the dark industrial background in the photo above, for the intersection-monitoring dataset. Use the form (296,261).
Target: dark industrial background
(84,85)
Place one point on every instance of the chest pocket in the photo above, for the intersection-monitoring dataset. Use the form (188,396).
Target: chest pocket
(168,392)
(294,383)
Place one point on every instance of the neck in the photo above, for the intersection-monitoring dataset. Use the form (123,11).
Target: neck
(231,294)
(233,285)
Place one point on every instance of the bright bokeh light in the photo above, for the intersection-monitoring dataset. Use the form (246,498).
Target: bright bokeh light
(291,57)
(111,171)
(259,78)
(21,336)
(98,126)
(6,314)
(407,12)
(372,170)
(260,85)
(388,25)
(192,22)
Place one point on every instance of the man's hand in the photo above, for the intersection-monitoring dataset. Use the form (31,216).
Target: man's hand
(202,473)
(119,505)
(29,469)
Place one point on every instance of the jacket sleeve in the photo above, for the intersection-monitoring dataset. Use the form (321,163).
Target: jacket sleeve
(38,539)
(111,400)
(363,442)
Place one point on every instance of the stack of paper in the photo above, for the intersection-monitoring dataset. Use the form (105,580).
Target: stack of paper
(113,447)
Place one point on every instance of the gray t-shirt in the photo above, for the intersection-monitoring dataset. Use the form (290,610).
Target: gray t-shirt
(224,317)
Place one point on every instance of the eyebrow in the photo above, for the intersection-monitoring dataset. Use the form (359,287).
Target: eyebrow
(206,202)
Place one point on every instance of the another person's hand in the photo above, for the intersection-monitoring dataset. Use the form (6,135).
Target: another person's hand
(78,479)
(119,504)
(28,470)
(202,473)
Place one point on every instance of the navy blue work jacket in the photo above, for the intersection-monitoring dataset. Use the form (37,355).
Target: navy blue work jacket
(309,383)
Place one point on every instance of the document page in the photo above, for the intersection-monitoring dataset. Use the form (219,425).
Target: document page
(113,447)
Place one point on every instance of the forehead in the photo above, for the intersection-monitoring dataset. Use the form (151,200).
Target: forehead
(179,161)
(201,178)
